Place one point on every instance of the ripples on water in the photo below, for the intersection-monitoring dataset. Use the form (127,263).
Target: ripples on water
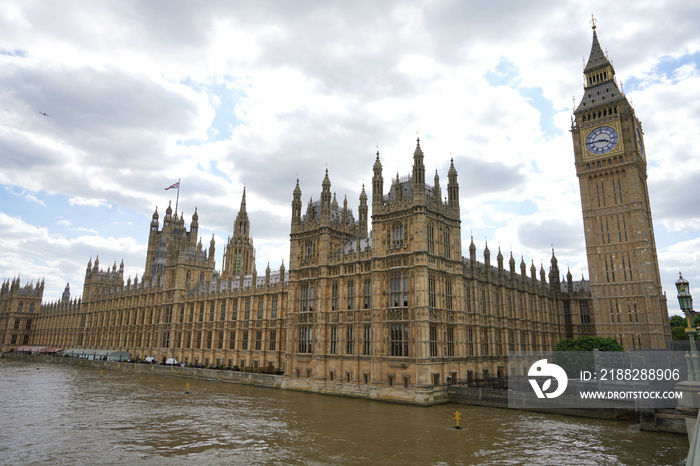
(70,415)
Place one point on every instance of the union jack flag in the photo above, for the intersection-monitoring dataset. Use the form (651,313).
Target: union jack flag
(173,186)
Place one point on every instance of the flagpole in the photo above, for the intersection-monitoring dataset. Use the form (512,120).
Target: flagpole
(177,199)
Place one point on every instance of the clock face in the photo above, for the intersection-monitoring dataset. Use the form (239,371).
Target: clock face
(639,139)
(601,140)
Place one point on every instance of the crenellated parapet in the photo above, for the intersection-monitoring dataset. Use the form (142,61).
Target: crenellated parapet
(497,275)
(70,306)
(13,288)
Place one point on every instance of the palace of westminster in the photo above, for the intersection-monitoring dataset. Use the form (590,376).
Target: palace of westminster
(390,309)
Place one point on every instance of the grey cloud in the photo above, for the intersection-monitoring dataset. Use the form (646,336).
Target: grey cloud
(673,200)
(563,236)
(477,176)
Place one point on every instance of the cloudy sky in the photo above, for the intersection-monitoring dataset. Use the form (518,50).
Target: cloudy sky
(230,94)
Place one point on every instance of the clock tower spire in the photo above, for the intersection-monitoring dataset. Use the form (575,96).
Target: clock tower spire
(628,302)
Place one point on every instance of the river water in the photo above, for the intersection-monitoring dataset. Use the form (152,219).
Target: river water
(59,414)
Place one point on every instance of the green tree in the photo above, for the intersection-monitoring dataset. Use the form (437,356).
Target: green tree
(678,333)
(576,355)
(589,343)
(678,325)
(677,321)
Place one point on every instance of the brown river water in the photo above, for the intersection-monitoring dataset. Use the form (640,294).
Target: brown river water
(65,415)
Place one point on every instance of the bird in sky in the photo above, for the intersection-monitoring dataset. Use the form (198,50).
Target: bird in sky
(45,114)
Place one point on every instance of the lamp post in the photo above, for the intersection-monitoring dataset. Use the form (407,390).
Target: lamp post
(685,300)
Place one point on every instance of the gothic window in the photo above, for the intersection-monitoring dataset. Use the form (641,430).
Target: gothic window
(307,298)
(223,310)
(468,297)
(398,290)
(258,340)
(368,294)
(433,341)
(619,188)
(368,341)
(273,311)
(260,308)
(431,291)
(619,230)
(334,340)
(484,342)
(583,310)
(397,234)
(499,346)
(602,232)
(351,294)
(446,241)
(612,269)
(448,294)
(244,341)
(211,311)
(629,311)
(350,341)
(398,339)
(273,340)
(431,239)
(450,341)
(309,250)
(305,338)
(334,296)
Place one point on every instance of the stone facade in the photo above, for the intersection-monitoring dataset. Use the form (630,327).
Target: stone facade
(628,302)
(383,309)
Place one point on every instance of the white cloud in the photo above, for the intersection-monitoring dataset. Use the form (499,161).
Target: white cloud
(134,93)
(88,202)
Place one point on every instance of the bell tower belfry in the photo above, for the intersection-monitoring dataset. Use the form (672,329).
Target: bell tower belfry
(628,301)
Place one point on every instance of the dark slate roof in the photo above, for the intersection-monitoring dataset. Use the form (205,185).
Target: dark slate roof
(603,93)
(597,59)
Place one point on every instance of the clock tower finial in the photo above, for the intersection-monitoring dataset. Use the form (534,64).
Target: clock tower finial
(592,21)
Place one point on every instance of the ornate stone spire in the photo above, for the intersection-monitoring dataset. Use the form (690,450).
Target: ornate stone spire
(296,204)
(377,183)
(241,226)
(418,171)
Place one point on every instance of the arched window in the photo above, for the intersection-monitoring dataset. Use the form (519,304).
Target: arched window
(446,241)
(397,234)
(431,238)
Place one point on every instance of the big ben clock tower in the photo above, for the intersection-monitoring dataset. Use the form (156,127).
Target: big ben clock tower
(628,302)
